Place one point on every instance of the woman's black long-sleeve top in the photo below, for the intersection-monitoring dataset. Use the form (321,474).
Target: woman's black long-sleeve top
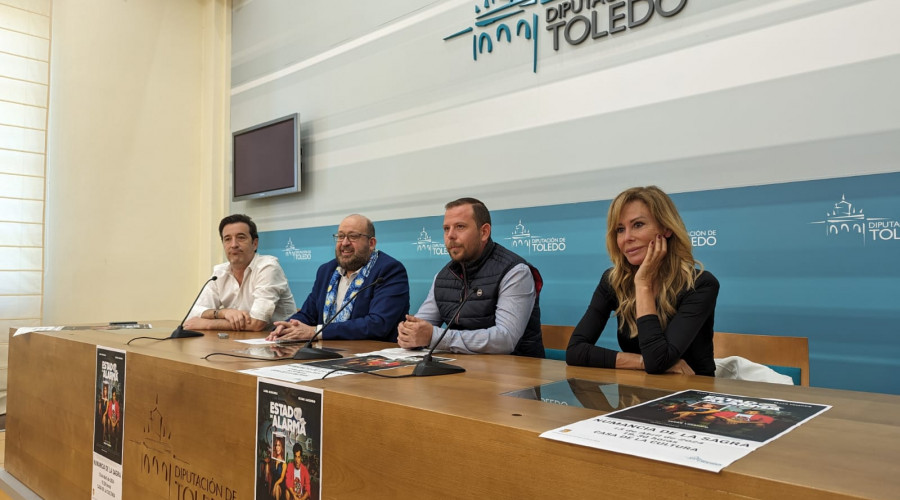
(688,336)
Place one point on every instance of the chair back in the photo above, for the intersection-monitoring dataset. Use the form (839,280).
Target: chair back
(556,339)
(770,350)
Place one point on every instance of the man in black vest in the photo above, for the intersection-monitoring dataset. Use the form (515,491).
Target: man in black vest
(486,293)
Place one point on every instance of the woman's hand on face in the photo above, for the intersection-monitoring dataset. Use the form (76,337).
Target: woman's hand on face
(648,272)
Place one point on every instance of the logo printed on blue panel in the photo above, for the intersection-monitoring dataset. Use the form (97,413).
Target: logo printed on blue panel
(296,253)
(424,244)
(703,237)
(844,219)
(522,238)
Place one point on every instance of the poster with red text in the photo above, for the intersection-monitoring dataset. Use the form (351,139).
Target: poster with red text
(288,441)
(109,421)
(699,429)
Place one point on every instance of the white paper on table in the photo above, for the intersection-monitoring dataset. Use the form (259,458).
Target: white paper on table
(29,329)
(297,372)
(699,429)
(261,341)
(400,353)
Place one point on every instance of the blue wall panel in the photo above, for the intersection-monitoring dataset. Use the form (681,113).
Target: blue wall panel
(816,259)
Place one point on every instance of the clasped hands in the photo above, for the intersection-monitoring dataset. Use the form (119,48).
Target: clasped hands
(237,320)
(414,333)
(291,330)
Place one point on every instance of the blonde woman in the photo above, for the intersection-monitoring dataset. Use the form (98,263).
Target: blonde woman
(663,299)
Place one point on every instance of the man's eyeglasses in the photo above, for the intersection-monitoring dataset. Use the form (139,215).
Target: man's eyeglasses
(353,237)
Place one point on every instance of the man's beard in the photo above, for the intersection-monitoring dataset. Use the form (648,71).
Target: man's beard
(352,263)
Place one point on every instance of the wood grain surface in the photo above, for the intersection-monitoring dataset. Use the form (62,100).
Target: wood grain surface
(190,430)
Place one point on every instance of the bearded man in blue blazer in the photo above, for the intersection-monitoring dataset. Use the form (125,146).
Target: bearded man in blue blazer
(375,313)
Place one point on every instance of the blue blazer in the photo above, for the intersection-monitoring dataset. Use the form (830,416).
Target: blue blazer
(376,312)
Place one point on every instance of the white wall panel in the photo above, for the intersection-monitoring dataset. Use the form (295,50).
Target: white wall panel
(725,94)
(135,90)
(275,34)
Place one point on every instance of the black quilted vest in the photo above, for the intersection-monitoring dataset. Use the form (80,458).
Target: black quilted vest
(482,277)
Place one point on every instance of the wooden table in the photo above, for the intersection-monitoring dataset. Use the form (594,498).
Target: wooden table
(189,430)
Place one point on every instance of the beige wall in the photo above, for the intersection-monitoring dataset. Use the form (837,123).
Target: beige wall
(138,116)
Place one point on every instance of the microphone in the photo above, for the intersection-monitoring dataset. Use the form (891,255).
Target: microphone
(428,366)
(180,332)
(309,352)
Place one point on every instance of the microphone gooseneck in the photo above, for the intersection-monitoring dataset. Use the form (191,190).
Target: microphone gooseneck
(309,352)
(428,366)
(180,332)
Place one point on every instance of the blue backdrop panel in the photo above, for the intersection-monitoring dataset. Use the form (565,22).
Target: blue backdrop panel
(815,259)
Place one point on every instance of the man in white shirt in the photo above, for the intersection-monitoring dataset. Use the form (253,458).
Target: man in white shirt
(251,290)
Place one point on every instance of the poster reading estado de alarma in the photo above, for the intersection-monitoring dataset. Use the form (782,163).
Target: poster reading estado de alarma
(288,441)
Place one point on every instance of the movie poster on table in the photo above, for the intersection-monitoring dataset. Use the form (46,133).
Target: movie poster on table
(704,430)
(109,424)
(288,441)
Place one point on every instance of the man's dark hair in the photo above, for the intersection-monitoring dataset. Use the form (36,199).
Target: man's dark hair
(482,216)
(232,219)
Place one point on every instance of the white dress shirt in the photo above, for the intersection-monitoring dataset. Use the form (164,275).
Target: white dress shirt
(264,293)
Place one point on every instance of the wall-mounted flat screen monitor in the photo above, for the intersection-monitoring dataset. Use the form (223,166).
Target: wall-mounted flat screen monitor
(266,159)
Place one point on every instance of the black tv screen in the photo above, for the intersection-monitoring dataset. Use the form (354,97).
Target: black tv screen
(266,159)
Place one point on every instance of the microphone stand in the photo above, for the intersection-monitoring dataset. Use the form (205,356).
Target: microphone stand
(180,332)
(308,352)
(428,367)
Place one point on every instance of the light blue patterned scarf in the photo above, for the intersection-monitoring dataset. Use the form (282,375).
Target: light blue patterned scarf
(355,285)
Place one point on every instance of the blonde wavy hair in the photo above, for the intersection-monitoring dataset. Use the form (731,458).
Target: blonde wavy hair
(677,271)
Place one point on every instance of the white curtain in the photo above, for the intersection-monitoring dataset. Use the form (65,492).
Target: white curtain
(24,93)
